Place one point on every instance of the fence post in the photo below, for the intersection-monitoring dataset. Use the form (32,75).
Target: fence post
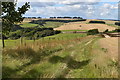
(21,40)
(34,39)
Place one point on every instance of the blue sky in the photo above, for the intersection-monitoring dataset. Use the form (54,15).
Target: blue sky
(90,9)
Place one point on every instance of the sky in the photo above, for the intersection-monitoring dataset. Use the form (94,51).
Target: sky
(88,9)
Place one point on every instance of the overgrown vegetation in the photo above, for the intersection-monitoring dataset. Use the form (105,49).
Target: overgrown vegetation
(26,56)
(42,54)
(32,33)
(114,31)
(93,32)
(117,23)
(56,58)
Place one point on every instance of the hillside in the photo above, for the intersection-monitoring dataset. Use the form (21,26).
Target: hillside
(63,55)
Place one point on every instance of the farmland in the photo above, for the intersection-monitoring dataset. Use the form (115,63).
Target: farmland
(63,55)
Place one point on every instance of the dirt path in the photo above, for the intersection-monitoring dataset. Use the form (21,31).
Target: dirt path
(111,46)
(83,26)
(106,36)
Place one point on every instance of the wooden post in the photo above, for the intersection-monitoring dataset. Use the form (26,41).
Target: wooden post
(3,42)
(34,39)
(21,40)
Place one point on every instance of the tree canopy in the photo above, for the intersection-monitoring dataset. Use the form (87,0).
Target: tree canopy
(11,15)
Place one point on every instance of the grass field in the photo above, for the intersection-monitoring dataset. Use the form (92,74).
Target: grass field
(53,24)
(27,24)
(13,43)
(64,55)
(113,25)
(47,24)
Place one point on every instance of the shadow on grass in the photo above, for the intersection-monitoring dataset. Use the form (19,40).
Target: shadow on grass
(32,74)
(35,57)
(71,63)
(6,71)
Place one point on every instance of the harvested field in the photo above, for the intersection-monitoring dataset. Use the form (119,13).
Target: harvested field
(82,26)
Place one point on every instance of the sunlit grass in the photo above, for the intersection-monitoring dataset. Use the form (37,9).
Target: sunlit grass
(26,25)
(113,25)
(53,24)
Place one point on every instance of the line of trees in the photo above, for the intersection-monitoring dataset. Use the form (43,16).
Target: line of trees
(117,23)
(33,17)
(66,17)
(54,17)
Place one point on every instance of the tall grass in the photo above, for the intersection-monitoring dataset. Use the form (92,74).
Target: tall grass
(70,57)
(29,54)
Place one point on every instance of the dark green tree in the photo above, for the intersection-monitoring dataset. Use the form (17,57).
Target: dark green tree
(11,15)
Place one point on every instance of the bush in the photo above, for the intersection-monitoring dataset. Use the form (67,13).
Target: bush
(117,23)
(106,31)
(113,31)
(16,27)
(117,30)
(93,32)
(102,22)
(33,33)
(46,33)
(15,35)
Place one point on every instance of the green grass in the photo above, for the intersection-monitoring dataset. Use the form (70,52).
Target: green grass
(48,24)
(66,36)
(59,56)
(113,25)
(25,25)
(10,43)
(53,24)
(65,56)
(13,43)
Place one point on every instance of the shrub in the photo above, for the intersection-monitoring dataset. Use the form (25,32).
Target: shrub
(117,30)
(33,33)
(57,32)
(45,33)
(106,31)
(117,23)
(15,35)
(93,32)
(102,22)
(113,31)
(16,27)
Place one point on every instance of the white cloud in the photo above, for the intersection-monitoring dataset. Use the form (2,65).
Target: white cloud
(67,8)
(68,0)
(42,4)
